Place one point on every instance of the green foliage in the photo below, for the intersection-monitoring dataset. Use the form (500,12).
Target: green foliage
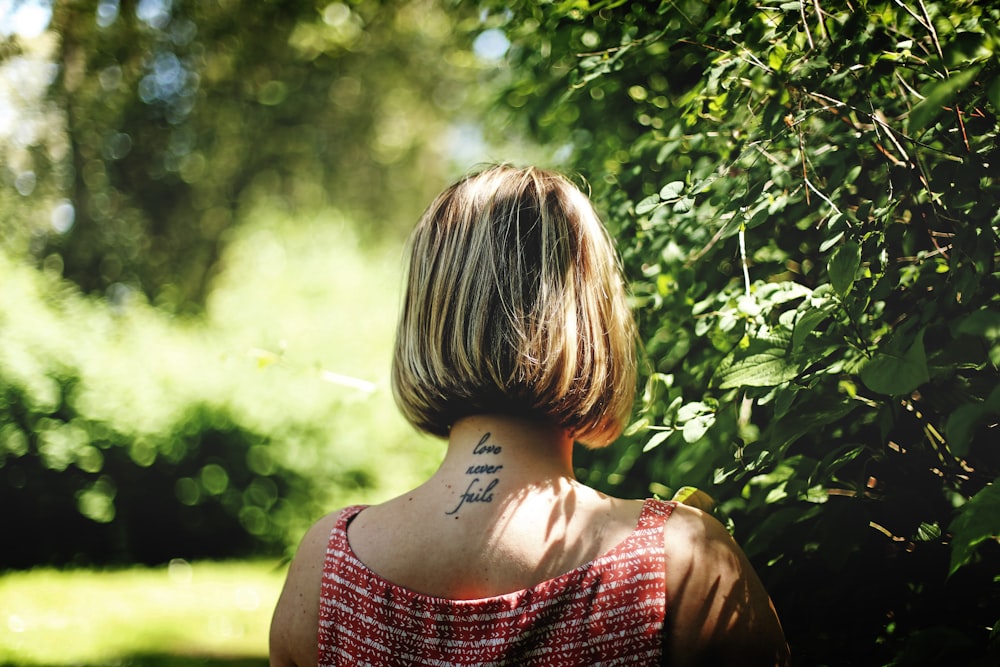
(804,202)
(149,129)
(169,158)
(128,436)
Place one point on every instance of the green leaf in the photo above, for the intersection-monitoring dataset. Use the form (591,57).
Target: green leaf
(965,419)
(781,473)
(773,528)
(928,532)
(895,374)
(966,47)
(993,92)
(777,494)
(683,205)
(938,96)
(776,56)
(830,242)
(978,521)
(694,420)
(806,323)
(838,458)
(762,362)
(843,266)
(766,369)
(672,190)
(695,429)
(961,424)
(692,410)
(658,438)
(985,323)
(647,204)
(808,417)
(639,425)
(781,292)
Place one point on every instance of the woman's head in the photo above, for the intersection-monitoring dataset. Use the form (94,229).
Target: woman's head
(514,303)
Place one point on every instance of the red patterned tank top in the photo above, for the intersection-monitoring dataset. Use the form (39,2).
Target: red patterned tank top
(609,611)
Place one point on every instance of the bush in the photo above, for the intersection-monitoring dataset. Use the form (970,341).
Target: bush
(803,199)
(131,437)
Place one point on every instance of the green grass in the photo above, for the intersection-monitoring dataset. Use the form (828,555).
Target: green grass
(182,614)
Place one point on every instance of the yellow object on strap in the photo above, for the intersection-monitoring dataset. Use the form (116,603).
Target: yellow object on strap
(693,497)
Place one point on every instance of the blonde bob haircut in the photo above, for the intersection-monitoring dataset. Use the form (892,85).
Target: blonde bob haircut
(514,304)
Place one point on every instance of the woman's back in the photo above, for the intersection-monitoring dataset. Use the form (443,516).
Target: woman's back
(609,610)
(403,577)
(490,548)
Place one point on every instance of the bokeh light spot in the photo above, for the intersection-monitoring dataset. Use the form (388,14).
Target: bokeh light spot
(491,45)
(25,19)
(214,478)
(187,491)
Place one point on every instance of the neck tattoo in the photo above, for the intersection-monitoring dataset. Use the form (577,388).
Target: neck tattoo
(480,489)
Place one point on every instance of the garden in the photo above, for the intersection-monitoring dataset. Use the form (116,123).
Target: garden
(202,221)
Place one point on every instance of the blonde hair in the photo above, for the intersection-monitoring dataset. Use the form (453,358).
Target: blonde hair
(514,303)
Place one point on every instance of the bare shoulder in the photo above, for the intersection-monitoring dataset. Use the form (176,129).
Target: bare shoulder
(691,531)
(718,610)
(296,616)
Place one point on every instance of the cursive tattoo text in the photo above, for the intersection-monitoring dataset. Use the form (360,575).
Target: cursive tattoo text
(481,490)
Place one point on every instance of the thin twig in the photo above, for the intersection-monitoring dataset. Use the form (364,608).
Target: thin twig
(961,124)
(910,89)
(919,259)
(625,47)
(911,13)
(756,145)
(743,257)
(934,36)
(822,23)
(826,98)
(827,200)
(708,246)
(892,158)
(802,154)
(805,24)
(880,121)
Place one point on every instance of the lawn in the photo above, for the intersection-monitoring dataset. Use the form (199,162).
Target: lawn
(183,614)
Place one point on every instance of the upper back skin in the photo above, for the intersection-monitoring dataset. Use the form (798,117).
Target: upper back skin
(718,612)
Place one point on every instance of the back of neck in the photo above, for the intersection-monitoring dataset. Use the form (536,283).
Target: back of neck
(493,459)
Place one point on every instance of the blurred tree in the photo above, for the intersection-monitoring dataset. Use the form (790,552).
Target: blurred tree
(168,116)
(151,147)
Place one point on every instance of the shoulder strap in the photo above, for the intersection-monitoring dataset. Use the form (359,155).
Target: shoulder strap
(339,531)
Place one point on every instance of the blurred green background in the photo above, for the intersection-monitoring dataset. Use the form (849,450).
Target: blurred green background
(203,207)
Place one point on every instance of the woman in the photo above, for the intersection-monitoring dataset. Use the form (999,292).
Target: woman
(515,341)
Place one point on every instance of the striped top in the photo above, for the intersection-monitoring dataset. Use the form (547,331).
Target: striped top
(609,611)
